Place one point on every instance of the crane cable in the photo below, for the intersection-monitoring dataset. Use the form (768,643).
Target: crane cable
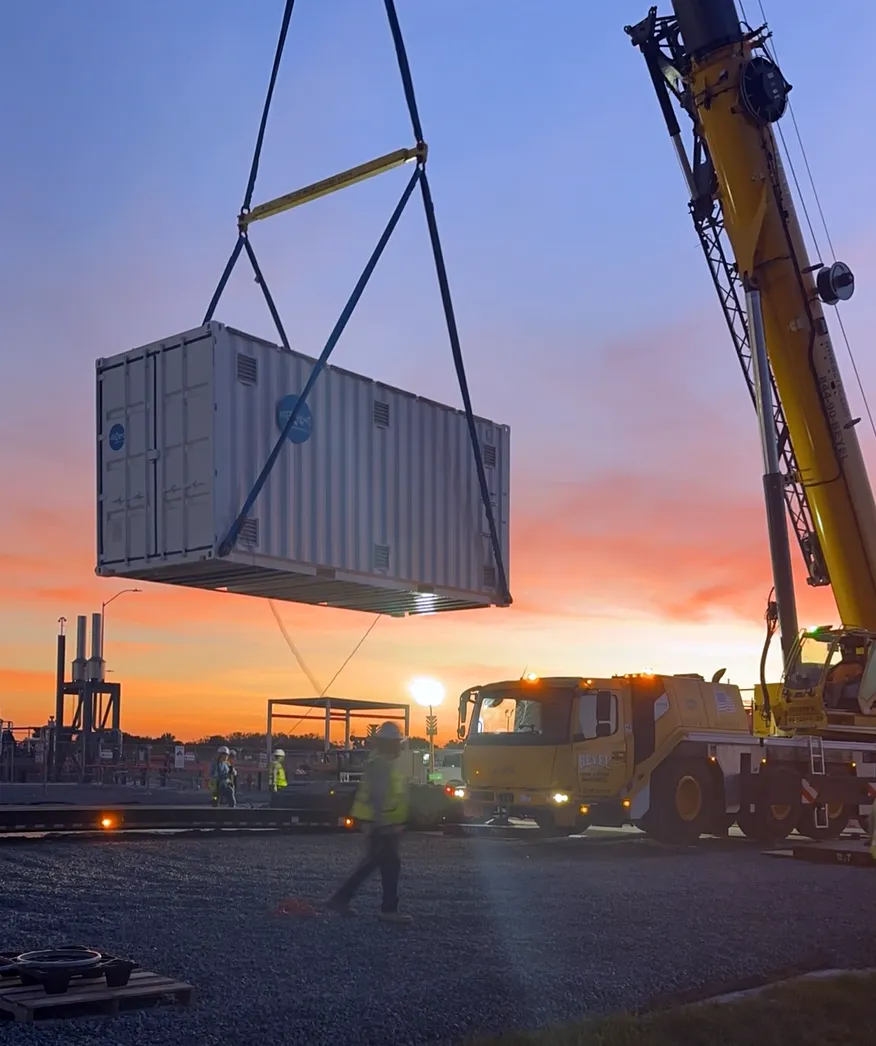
(301,663)
(295,651)
(774,56)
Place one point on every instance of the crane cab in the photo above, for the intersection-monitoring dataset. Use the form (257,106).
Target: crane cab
(829,686)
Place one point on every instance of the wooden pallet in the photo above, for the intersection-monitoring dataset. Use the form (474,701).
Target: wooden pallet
(89,998)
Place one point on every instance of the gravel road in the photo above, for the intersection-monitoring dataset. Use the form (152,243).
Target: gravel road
(507,933)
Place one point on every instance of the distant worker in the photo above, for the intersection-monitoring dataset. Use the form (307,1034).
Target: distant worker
(222,773)
(844,678)
(278,770)
(381,807)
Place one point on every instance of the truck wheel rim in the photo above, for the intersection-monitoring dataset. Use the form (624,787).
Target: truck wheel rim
(780,813)
(688,798)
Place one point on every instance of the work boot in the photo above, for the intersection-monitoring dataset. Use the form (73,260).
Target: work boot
(399,918)
(338,907)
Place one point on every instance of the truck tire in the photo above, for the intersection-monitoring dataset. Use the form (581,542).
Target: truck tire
(681,804)
(838,817)
(772,823)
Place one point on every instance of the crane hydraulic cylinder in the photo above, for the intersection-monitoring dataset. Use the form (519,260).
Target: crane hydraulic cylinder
(774,495)
(737,93)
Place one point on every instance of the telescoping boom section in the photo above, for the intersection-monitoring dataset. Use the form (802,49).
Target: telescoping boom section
(723,75)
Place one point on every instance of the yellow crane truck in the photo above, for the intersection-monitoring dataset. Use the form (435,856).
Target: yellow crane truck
(679,755)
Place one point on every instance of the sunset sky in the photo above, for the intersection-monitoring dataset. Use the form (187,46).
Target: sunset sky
(585,308)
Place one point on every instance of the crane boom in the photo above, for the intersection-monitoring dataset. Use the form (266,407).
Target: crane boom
(733,91)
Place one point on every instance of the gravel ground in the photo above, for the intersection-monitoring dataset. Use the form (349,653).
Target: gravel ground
(507,933)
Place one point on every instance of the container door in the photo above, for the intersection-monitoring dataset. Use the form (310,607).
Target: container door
(126,477)
(184,381)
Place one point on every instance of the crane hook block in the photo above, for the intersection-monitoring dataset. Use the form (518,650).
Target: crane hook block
(763,90)
(835,283)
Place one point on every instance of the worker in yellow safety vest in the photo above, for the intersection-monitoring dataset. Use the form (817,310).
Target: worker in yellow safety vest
(381,809)
(278,770)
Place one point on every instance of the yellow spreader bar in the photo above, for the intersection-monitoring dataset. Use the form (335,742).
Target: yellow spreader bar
(332,184)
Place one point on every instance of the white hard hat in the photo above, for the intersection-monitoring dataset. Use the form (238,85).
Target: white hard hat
(280,753)
(389,732)
(223,750)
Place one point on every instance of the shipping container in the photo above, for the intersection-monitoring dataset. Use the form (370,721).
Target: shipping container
(373,504)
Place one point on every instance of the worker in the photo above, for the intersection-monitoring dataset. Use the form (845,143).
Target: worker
(222,772)
(381,808)
(278,770)
(844,678)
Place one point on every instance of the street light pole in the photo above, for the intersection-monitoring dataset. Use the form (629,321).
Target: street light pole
(431,731)
(428,693)
(103,607)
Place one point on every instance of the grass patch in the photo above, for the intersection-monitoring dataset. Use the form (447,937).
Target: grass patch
(836,1011)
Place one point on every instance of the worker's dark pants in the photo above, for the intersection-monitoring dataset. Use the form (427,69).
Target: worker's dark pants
(381,854)
(225,794)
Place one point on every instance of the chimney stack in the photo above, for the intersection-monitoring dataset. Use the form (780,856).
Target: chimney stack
(79,660)
(95,667)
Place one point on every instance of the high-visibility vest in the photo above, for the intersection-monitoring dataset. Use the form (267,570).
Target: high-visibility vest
(278,774)
(396,808)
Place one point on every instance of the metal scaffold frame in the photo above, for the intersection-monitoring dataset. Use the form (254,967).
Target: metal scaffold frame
(249,214)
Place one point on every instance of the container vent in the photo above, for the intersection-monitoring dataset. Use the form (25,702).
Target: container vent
(247,369)
(381,557)
(489,577)
(249,531)
(489,456)
(381,414)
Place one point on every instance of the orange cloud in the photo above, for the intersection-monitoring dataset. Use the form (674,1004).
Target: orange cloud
(652,546)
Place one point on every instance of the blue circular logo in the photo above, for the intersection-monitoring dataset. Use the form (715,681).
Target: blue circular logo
(117,437)
(303,427)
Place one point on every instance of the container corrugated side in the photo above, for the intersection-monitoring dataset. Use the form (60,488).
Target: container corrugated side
(375,507)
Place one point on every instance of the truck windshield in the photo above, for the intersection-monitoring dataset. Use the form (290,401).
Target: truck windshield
(536,717)
(812,659)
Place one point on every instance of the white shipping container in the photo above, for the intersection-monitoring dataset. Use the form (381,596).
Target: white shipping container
(373,503)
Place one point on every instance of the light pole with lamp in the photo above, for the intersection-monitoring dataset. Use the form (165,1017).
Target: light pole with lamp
(103,607)
(428,693)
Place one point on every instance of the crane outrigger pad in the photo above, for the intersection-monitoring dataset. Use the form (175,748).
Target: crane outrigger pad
(843,851)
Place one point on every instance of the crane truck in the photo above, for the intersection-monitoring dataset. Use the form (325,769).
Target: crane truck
(678,755)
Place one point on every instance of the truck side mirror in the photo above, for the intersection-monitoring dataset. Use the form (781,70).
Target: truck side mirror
(463,709)
(604,709)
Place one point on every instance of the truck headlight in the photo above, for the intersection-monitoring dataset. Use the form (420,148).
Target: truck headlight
(560,797)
